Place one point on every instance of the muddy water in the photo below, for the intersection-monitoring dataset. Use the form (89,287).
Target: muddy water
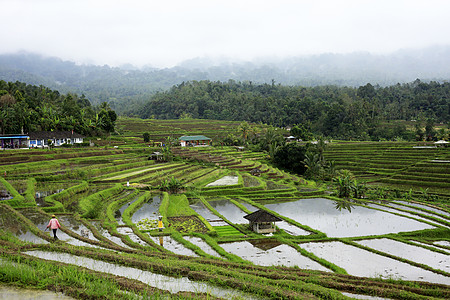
(148,210)
(321,214)
(5,195)
(171,245)
(9,292)
(270,253)
(360,262)
(413,253)
(203,211)
(162,282)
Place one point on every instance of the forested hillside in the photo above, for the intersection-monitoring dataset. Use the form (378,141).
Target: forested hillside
(342,112)
(132,85)
(25,108)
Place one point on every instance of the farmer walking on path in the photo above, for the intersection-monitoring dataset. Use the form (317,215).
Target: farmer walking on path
(54,225)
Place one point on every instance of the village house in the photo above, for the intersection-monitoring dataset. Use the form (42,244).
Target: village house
(195,141)
(40,139)
(14,141)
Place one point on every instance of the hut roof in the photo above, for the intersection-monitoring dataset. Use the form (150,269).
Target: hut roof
(194,138)
(54,135)
(261,216)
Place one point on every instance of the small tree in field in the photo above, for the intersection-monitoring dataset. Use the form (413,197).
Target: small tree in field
(146,137)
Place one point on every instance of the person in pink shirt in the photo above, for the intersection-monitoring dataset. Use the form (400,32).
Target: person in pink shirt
(54,225)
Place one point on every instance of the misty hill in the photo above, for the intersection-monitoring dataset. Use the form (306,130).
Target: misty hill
(132,85)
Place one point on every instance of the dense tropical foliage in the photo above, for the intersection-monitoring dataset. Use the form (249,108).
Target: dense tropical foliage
(366,112)
(26,108)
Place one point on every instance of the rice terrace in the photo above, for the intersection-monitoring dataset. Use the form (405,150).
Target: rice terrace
(176,225)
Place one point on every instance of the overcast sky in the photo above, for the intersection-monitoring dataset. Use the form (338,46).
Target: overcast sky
(166,32)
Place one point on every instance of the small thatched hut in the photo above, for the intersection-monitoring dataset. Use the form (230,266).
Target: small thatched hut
(262,221)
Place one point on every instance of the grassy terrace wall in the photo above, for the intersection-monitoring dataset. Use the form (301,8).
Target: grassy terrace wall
(98,202)
(394,164)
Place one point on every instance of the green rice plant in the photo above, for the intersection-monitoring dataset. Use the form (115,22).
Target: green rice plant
(31,191)
(17,198)
(92,206)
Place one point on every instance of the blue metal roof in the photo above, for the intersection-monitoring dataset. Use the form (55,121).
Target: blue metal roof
(14,137)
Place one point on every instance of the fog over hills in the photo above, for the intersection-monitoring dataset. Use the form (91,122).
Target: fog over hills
(129,83)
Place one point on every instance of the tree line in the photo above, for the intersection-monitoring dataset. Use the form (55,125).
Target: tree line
(365,112)
(25,108)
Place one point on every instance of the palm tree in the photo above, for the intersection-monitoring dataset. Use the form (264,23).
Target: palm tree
(244,129)
(313,164)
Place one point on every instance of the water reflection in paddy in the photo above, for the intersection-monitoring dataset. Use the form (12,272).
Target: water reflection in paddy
(10,223)
(271,252)
(127,231)
(41,222)
(119,212)
(76,226)
(171,245)
(148,210)
(203,211)
(9,292)
(417,211)
(431,246)
(412,253)
(162,282)
(230,211)
(202,244)
(107,235)
(439,211)
(360,262)
(321,214)
(394,210)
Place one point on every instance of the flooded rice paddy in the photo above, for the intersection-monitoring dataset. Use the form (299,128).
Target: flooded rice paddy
(119,212)
(116,240)
(412,253)
(360,262)
(127,231)
(439,211)
(226,180)
(230,211)
(9,292)
(321,214)
(148,210)
(203,211)
(171,245)
(394,210)
(202,244)
(271,253)
(171,284)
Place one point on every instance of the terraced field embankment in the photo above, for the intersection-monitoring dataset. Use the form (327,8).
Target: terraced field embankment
(124,238)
